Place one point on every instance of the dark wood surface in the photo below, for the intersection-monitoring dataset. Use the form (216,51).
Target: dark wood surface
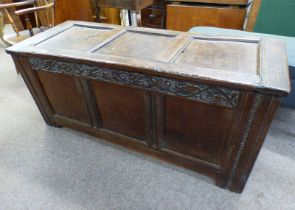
(21,18)
(115,111)
(153,17)
(64,94)
(204,103)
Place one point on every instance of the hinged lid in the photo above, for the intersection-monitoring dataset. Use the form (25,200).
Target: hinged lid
(243,62)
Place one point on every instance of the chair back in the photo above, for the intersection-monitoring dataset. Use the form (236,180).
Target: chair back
(45,17)
(42,10)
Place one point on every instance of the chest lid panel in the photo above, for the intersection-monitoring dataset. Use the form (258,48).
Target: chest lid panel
(224,55)
(137,45)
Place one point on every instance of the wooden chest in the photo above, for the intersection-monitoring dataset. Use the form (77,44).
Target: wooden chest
(204,103)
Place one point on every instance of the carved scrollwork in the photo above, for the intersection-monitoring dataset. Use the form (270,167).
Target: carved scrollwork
(192,90)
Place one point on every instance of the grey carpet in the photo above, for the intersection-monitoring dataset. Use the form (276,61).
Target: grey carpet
(49,168)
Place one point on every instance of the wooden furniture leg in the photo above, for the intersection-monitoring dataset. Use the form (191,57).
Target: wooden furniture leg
(124,17)
(11,22)
(29,25)
(97,13)
(135,18)
(1,27)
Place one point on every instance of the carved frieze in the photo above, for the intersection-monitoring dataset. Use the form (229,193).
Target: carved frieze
(192,90)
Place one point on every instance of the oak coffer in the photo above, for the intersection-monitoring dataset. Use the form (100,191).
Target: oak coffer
(201,102)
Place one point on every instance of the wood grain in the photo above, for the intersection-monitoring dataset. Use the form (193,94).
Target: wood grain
(129,44)
(65,96)
(184,17)
(240,57)
(115,104)
(68,41)
(72,10)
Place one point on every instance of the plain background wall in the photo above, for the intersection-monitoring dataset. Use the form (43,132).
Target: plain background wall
(276,17)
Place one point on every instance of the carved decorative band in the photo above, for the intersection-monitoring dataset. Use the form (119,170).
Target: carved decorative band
(245,136)
(192,90)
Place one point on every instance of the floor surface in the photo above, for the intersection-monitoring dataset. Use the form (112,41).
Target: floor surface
(44,168)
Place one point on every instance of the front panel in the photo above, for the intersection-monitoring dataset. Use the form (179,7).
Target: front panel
(195,129)
(122,109)
(65,96)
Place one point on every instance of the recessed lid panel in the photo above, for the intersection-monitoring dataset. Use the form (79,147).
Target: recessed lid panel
(137,45)
(235,56)
(80,38)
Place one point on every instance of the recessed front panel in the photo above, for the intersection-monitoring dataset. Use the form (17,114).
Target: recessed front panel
(196,129)
(122,109)
(64,95)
